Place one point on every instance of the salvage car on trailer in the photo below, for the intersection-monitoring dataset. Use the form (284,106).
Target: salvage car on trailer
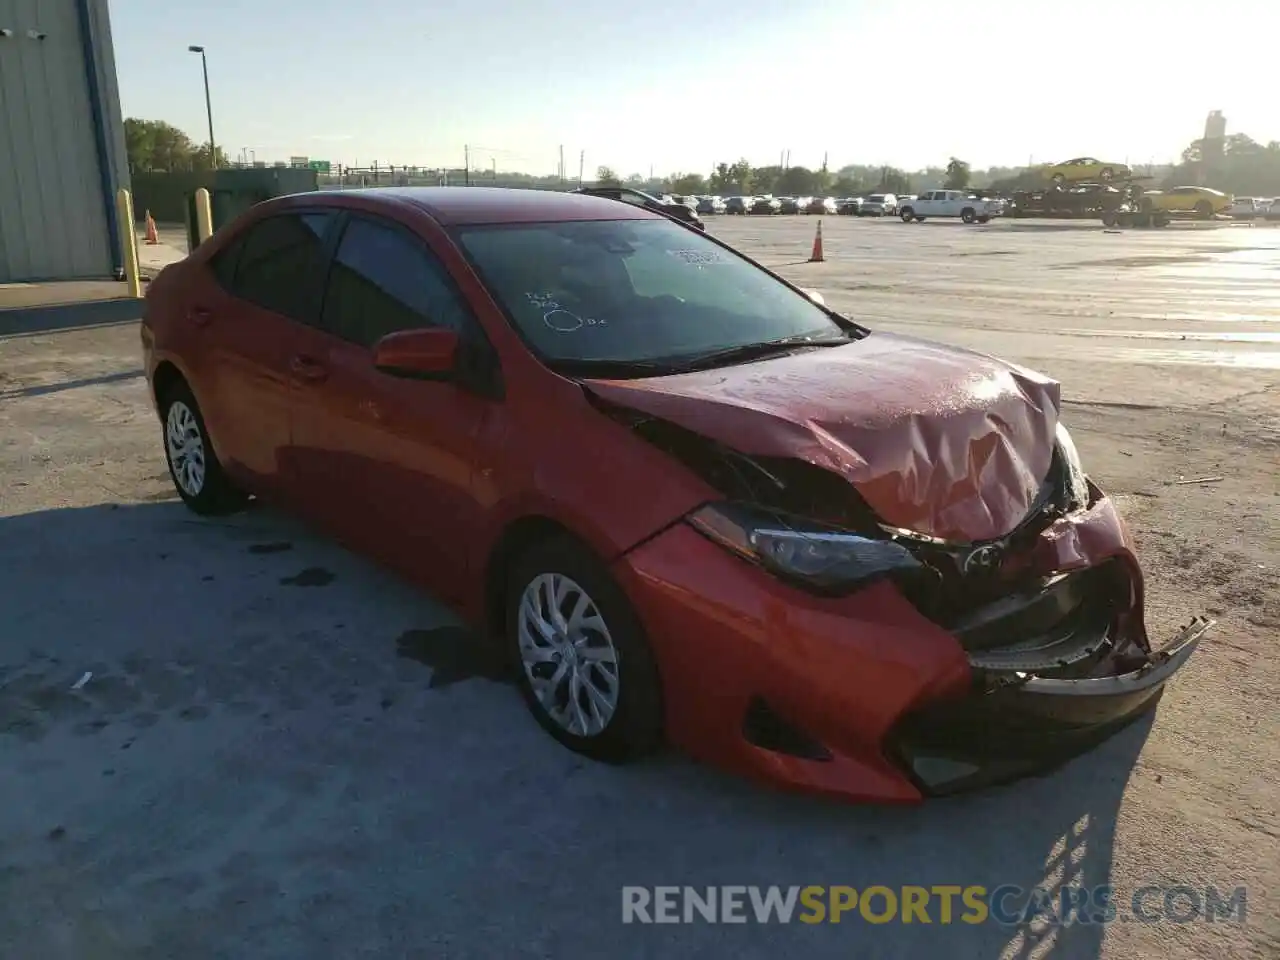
(695,504)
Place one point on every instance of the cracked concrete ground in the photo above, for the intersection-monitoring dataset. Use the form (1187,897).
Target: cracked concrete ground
(220,739)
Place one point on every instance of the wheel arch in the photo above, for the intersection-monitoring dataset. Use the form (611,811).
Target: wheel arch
(516,537)
(164,378)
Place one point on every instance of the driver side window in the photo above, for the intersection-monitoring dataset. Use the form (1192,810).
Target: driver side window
(383,281)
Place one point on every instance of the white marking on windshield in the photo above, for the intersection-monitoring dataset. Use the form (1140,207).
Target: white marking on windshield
(698,257)
(557,318)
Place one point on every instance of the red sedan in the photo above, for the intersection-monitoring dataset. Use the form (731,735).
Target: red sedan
(695,504)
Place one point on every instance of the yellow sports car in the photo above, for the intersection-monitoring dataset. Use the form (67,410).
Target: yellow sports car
(1201,201)
(1086,169)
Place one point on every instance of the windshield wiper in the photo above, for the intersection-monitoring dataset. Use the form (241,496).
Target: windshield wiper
(611,368)
(755,351)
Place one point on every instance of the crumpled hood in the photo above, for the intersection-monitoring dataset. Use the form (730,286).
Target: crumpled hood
(937,439)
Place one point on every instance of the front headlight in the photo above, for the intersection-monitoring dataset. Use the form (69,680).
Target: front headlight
(826,559)
(1077,482)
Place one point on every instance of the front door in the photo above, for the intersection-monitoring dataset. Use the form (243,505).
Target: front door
(248,325)
(926,205)
(383,460)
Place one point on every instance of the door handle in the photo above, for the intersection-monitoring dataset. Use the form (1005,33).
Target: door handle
(307,369)
(200,316)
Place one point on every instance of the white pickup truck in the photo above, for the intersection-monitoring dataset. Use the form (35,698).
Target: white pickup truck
(950,203)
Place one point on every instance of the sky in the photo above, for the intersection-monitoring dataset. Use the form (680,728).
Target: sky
(679,86)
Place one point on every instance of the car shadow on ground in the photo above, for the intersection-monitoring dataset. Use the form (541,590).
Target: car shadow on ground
(226,746)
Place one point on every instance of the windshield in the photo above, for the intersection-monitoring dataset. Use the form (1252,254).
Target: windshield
(634,291)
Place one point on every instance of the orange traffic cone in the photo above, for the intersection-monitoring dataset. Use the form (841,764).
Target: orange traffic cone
(152,236)
(816,256)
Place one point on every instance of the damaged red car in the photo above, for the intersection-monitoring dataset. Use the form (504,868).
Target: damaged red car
(696,505)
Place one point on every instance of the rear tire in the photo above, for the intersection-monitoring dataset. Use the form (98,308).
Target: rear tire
(194,467)
(583,665)
(1106,174)
(1204,210)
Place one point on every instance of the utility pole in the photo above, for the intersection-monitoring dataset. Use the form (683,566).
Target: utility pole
(493,166)
(561,163)
(466,165)
(582,163)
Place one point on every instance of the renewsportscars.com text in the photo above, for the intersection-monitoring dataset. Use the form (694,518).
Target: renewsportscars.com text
(938,904)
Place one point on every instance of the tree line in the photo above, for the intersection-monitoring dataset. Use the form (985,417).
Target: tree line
(155,146)
(1243,167)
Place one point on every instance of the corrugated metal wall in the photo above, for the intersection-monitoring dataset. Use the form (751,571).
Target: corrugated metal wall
(53,217)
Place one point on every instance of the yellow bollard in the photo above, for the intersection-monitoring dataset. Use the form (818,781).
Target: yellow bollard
(204,215)
(128,241)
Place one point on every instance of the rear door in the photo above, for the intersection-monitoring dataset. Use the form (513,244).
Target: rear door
(925,205)
(248,330)
(384,460)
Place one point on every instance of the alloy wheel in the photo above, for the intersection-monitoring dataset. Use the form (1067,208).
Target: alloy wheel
(185,446)
(567,654)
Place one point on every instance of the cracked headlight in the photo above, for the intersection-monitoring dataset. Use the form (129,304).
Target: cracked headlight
(822,558)
(1076,483)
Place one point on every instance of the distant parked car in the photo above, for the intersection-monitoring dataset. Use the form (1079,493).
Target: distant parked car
(638,198)
(738,205)
(1244,208)
(763,205)
(848,206)
(821,205)
(1270,209)
(710,205)
(788,204)
(879,205)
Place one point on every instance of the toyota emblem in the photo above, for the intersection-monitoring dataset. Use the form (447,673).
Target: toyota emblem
(982,560)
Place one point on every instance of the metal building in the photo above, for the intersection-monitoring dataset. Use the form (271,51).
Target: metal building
(62,146)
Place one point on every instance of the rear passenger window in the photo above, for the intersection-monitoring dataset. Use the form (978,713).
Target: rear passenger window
(276,266)
(383,281)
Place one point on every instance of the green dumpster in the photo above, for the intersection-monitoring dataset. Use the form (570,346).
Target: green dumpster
(232,192)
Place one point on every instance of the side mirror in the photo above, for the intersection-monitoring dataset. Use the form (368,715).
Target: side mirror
(417,354)
(816,297)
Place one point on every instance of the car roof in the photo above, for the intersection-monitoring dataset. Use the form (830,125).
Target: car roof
(459,206)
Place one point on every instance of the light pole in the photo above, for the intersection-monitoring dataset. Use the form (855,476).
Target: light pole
(208,105)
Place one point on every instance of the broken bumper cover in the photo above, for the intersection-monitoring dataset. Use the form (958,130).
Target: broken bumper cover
(1022,724)
(859,697)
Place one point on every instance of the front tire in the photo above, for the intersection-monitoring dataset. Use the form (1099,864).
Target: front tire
(581,658)
(907,214)
(194,467)
(1204,210)
(968,215)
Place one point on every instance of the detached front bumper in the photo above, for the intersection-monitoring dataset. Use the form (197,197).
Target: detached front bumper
(864,697)
(1017,724)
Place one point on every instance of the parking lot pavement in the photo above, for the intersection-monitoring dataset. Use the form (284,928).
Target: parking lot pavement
(234,739)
